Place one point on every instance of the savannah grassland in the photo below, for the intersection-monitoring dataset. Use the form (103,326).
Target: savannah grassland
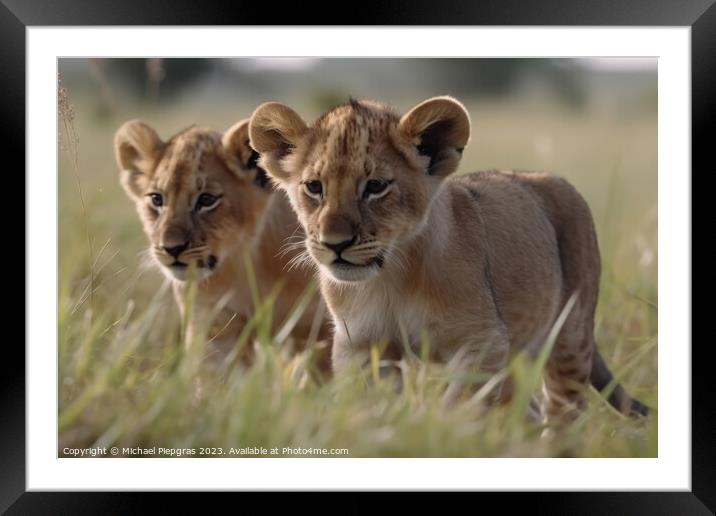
(126,378)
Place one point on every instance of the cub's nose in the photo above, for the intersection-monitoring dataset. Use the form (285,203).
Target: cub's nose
(339,247)
(175,251)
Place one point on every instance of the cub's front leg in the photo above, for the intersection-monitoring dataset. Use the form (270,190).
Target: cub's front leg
(483,353)
(219,331)
(350,350)
(345,352)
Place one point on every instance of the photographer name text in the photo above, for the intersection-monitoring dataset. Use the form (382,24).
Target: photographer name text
(248,451)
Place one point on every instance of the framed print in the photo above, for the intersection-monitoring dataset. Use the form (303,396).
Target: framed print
(261,257)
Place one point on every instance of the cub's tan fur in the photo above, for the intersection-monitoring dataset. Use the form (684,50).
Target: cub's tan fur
(483,263)
(248,216)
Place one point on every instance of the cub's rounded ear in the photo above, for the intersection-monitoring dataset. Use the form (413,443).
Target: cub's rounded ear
(137,148)
(274,130)
(237,145)
(241,158)
(440,129)
(236,141)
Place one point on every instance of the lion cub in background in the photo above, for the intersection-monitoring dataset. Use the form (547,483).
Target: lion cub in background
(203,201)
(482,263)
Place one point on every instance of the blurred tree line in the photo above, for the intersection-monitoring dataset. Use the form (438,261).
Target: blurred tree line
(327,82)
(483,77)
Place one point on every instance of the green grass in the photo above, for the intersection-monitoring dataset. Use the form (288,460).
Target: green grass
(126,379)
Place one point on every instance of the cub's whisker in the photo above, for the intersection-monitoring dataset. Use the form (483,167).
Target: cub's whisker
(302,260)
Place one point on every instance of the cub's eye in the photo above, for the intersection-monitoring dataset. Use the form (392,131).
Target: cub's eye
(375,187)
(157,199)
(206,200)
(313,188)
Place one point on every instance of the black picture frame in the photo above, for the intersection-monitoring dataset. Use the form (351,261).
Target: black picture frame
(700,15)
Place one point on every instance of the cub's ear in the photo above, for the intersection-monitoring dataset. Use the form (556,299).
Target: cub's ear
(440,129)
(274,130)
(242,159)
(137,147)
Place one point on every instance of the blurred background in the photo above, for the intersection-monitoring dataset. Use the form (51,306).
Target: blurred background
(592,121)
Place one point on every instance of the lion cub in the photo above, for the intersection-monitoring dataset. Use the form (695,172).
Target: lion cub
(482,263)
(203,201)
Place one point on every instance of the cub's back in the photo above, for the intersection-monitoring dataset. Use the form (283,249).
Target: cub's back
(572,221)
(521,244)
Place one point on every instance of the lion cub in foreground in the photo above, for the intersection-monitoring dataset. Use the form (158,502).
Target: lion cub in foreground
(482,263)
(203,201)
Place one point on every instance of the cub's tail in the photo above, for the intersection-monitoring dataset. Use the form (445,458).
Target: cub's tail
(602,379)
